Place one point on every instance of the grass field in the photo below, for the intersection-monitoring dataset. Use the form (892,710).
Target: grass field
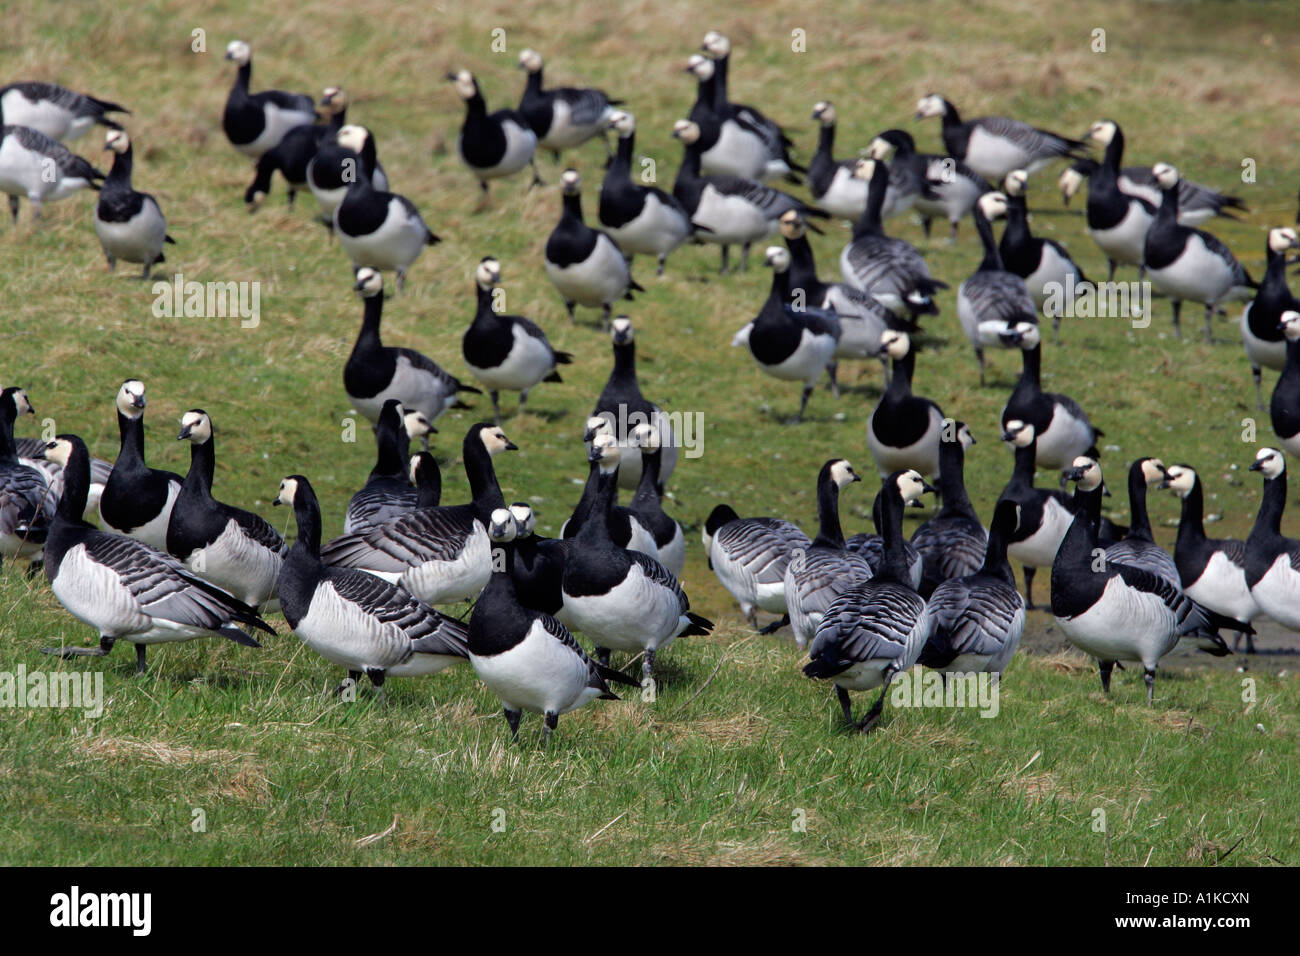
(740,759)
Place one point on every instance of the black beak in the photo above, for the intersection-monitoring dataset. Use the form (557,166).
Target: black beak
(39,454)
(1073,474)
(1166,483)
(511,446)
(927,488)
(185,433)
(451,77)
(593,455)
(1256,466)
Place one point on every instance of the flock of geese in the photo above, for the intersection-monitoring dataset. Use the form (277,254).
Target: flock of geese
(149,556)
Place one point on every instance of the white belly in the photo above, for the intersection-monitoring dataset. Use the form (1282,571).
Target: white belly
(1278,593)
(1198,274)
(526,364)
(1222,588)
(239,565)
(394,245)
(597,281)
(539,675)
(635,615)
(1122,626)
(1125,241)
(1039,549)
(730,219)
(137,240)
(656,231)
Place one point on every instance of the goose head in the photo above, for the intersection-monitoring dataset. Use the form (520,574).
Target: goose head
(931,105)
(239,51)
(910,485)
(59,450)
(494,439)
(369,282)
(1166,176)
(333,100)
(116,141)
(417,425)
(686,132)
(196,426)
(993,205)
(353,137)
(1282,238)
(1023,335)
(894,344)
(1018,434)
(792,224)
(864,169)
(604,453)
(1101,132)
(22,405)
(602,424)
(1289,323)
(1069,182)
(842,472)
(620,330)
(1016,182)
(570,182)
(716,45)
(530,61)
(958,432)
(1269,462)
(824,111)
(525,520)
(701,66)
(777,258)
(1085,472)
(622,122)
(130,398)
(1153,471)
(465,84)
(288,491)
(645,437)
(1180,479)
(487,273)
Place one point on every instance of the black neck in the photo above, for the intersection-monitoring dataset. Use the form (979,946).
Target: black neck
(1268,522)
(622,162)
(1115,151)
(373,311)
(1032,365)
(393,445)
(1140,522)
(900,377)
(76,484)
(595,528)
(891,529)
(992,261)
(203,463)
(306,512)
(647,489)
(829,533)
(952,477)
(1167,214)
(120,174)
(482,476)
(1191,522)
(995,552)
(8,415)
(869,224)
(826,140)
(572,206)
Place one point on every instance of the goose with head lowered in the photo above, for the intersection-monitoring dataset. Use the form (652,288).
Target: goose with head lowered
(978,617)
(585,265)
(234,549)
(1045,515)
(1273,560)
(795,345)
(750,557)
(56,111)
(621,599)
(1187,263)
(523,655)
(1061,427)
(1284,406)
(952,543)
(25,511)
(389,491)
(441,555)
(375,373)
(353,619)
(643,220)
(626,528)
(904,429)
(877,628)
(335,167)
(562,117)
(38,168)
(492,145)
(623,406)
(122,587)
(995,145)
(993,302)
(889,269)
(292,156)
(255,122)
(945,187)
(137,500)
(816,575)
(506,352)
(1261,320)
(129,224)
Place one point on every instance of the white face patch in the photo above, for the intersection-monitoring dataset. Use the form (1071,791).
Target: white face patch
(417,425)
(1102,132)
(22,404)
(117,141)
(880,149)
(622,123)
(965,437)
(502,525)
(239,51)
(369,281)
(1290,322)
(199,425)
(716,44)
(1016,182)
(842,473)
(488,273)
(465,86)
(530,60)
(59,451)
(130,398)
(910,486)
(686,131)
(495,441)
(825,112)
(1281,239)
(930,105)
(864,169)
(778,257)
(620,330)
(288,489)
(895,344)
(701,66)
(571,182)
(993,205)
(1022,433)
(353,138)
(1070,182)
(605,450)
(646,437)
(1181,480)
(792,226)
(1151,471)
(1270,462)
(524,519)
(1030,337)
(1165,175)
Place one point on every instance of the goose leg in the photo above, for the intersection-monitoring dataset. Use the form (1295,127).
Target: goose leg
(67,653)
(1029,588)
(831,371)
(979,355)
(1056,329)
(1149,678)
(1258,375)
(925,225)
(512,718)
(377,677)
(775,625)
(1209,324)
(602,655)
(744,257)
(569,307)
(550,721)
(803,404)
(604,315)
(1178,313)
(13,208)
(353,676)
(293,194)
(663,257)
(1104,668)
(1110,270)
(537,180)
(401,280)
(139,659)
(726,256)
(496,405)
(872,716)
(846,707)
(648,663)
(523,397)
(952,233)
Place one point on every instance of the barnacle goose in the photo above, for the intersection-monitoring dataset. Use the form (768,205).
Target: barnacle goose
(374,372)
(751,121)
(39,168)
(439,554)
(1089,490)
(538,571)
(492,145)
(623,406)
(626,527)
(830,180)
(889,269)
(727,209)
(621,599)
(389,490)
(871,545)
(750,557)
(122,587)
(292,156)
(903,430)
(354,619)
(427,478)
(1272,560)
(234,549)
(993,302)
(585,265)
(787,343)
(1261,328)
(1138,547)
(28,448)
(506,352)
(129,224)
(1044,264)
(815,576)
(24,510)
(995,145)
(378,229)
(1284,407)
(875,629)
(734,141)
(335,167)
(563,117)
(1187,263)
(1118,221)
(1045,515)
(647,503)
(56,111)
(137,500)
(952,543)
(255,122)
(524,656)
(943,186)
(643,220)
(1061,427)
(978,617)
(1212,571)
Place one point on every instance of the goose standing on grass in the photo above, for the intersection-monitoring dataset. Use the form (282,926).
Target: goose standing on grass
(492,145)
(24,511)
(354,619)
(728,210)
(122,587)
(945,187)
(585,265)
(1045,265)
(1045,515)
(718,49)
(643,220)
(234,549)
(815,576)
(441,555)
(993,302)
(538,571)
(995,145)
(1284,407)
(750,557)
(877,628)
(1186,263)
(506,352)
(1061,427)
(334,168)
(378,229)
(56,111)
(626,529)
(1212,571)
(1272,560)
(647,504)
(904,429)
(951,544)
(389,490)
(1261,320)
(623,406)
(792,345)
(1138,548)
(1118,221)
(526,657)
(978,617)
(292,156)
(256,122)
(831,181)
(130,225)
(137,500)
(375,373)
(564,117)
(38,168)
(889,269)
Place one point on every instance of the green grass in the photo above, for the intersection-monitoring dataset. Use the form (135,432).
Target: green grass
(715,769)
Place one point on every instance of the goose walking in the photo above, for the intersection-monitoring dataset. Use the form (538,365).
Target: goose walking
(995,145)
(389,490)
(993,302)
(492,145)
(564,117)
(256,122)
(750,557)
(1261,320)
(1118,220)
(1061,426)
(24,510)
(1273,560)
(56,111)
(904,429)
(585,265)
(944,187)
(137,500)
(1045,514)
(623,407)
(129,224)
(953,543)
(1284,406)
(37,168)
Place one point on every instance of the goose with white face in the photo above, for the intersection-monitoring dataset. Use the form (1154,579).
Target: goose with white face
(491,145)
(256,122)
